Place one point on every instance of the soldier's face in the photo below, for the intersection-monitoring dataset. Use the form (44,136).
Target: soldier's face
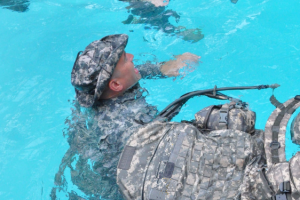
(125,71)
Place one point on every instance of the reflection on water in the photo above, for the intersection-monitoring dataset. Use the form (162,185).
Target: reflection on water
(15,5)
(154,15)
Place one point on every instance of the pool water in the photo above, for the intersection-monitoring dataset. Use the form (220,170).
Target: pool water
(248,43)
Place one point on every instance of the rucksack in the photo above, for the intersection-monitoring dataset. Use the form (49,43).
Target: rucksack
(280,179)
(175,160)
(168,160)
(149,164)
(226,116)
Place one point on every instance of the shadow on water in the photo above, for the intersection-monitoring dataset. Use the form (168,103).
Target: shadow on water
(154,15)
(15,5)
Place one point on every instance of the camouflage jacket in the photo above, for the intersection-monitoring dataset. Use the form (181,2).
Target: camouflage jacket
(97,136)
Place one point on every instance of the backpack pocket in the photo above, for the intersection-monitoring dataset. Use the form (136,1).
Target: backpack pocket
(294,165)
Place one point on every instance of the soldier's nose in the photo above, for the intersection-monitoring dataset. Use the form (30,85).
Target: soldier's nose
(130,56)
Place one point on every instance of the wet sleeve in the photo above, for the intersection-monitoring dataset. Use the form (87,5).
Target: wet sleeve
(150,70)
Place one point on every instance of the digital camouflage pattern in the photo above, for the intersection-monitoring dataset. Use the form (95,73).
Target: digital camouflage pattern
(94,67)
(295,174)
(96,137)
(149,70)
(281,135)
(279,180)
(286,172)
(255,184)
(278,173)
(176,161)
(295,130)
(238,119)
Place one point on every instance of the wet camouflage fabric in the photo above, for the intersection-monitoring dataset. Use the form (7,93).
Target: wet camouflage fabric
(282,171)
(263,183)
(295,174)
(281,135)
(15,5)
(277,174)
(186,164)
(96,137)
(94,67)
(255,184)
(150,70)
(286,172)
(295,130)
(238,119)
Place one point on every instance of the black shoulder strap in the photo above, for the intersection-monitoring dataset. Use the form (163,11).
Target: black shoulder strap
(276,103)
(287,109)
(173,108)
(208,115)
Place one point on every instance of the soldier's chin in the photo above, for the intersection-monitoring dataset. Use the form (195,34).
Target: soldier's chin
(139,76)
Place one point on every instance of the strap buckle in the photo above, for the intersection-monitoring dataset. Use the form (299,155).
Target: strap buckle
(285,187)
(275,145)
(224,114)
(223,117)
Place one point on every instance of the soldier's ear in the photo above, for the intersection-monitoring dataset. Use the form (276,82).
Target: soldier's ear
(115,85)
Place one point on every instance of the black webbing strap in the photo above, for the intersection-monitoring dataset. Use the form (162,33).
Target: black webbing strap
(77,58)
(276,103)
(275,145)
(208,115)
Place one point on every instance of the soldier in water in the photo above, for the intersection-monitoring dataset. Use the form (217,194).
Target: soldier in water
(106,83)
(15,5)
(154,15)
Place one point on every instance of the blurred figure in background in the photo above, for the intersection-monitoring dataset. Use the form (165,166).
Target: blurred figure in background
(154,15)
(15,5)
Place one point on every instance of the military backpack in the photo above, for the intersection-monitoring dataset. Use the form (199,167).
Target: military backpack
(280,179)
(168,160)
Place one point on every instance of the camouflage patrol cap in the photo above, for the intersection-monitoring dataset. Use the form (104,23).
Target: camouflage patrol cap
(93,68)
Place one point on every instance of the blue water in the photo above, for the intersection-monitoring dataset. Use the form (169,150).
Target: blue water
(249,43)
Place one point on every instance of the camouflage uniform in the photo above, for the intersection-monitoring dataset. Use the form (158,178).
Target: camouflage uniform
(97,136)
